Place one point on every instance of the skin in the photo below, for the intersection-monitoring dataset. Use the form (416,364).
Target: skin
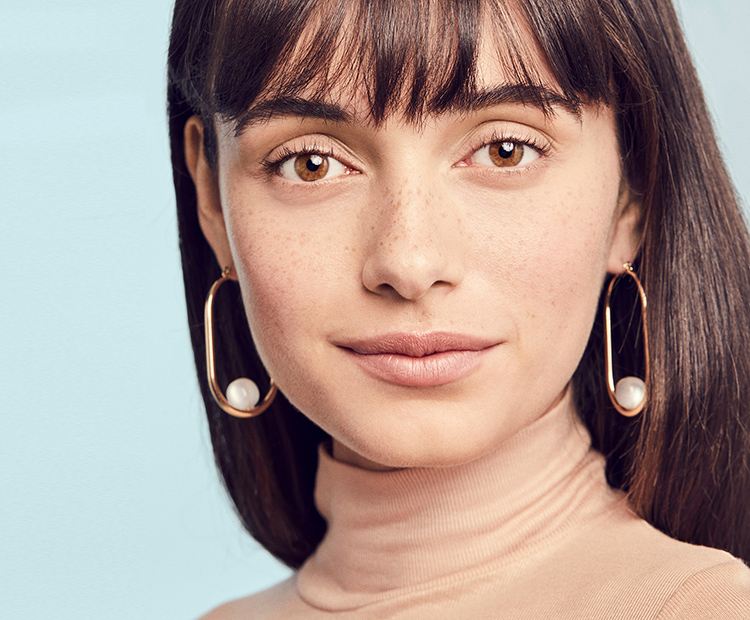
(421,232)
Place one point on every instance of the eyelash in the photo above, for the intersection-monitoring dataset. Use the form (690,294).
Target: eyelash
(543,149)
(272,165)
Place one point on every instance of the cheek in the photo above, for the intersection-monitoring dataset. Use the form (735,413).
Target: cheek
(548,257)
(274,268)
(285,267)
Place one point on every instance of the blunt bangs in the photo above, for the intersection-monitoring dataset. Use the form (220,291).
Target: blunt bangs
(412,57)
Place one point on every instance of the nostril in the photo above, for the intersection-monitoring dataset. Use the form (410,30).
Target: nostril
(408,287)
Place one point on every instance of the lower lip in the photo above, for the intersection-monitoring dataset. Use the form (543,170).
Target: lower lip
(427,371)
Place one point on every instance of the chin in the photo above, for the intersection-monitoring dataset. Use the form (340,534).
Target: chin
(430,435)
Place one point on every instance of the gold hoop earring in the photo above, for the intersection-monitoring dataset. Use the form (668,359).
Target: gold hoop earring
(242,395)
(630,394)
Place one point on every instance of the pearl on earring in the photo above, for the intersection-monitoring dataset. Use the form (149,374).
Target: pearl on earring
(243,394)
(629,392)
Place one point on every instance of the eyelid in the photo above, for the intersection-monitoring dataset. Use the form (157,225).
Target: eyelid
(306,145)
(516,135)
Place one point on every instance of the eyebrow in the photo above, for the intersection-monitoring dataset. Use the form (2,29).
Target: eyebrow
(545,99)
(540,97)
(293,106)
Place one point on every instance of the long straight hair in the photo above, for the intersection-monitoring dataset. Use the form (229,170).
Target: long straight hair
(685,461)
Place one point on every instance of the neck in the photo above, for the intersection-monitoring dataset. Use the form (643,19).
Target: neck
(392,532)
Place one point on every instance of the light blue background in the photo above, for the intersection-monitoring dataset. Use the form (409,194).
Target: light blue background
(109,502)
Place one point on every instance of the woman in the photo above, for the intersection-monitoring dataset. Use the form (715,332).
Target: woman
(428,206)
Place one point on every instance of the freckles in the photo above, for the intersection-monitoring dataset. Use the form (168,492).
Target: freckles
(555,267)
(408,214)
(267,260)
(288,266)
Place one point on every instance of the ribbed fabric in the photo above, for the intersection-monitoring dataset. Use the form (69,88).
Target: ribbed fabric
(529,531)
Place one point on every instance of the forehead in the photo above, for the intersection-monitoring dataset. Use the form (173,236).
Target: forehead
(406,60)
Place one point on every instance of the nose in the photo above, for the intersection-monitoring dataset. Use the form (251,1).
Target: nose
(415,245)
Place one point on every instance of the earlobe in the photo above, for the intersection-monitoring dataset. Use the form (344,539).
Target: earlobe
(627,235)
(208,197)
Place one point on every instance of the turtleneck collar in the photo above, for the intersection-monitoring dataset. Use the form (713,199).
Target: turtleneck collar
(398,532)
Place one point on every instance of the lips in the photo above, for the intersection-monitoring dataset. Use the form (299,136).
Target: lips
(419,360)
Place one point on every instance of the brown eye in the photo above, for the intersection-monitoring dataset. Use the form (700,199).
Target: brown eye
(311,166)
(506,154)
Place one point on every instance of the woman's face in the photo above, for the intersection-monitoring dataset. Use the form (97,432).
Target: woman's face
(419,292)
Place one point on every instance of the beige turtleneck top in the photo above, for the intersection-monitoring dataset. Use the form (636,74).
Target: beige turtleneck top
(530,531)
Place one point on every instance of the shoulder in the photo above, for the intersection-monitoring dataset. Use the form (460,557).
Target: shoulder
(233,610)
(720,591)
(275,602)
(628,569)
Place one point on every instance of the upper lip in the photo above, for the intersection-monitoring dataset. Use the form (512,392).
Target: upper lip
(417,344)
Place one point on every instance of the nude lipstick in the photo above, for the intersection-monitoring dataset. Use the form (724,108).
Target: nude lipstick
(419,360)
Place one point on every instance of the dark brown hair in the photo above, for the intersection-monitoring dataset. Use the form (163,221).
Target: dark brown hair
(685,462)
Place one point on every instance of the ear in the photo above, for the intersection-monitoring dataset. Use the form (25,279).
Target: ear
(210,215)
(628,232)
